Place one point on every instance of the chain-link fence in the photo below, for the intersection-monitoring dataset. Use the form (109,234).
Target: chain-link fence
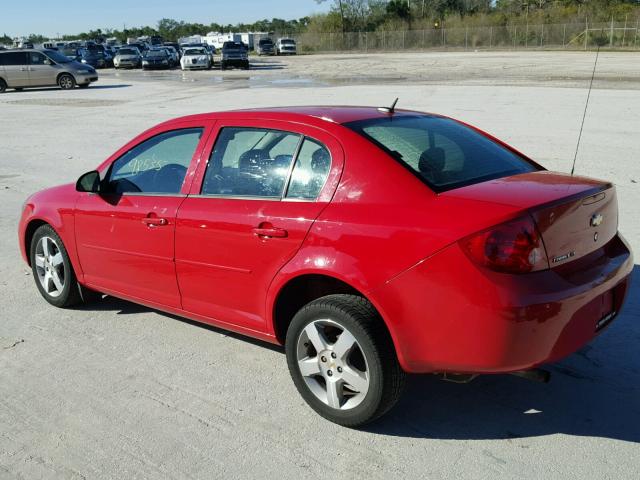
(553,36)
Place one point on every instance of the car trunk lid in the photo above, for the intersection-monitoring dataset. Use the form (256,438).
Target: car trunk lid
(575,215)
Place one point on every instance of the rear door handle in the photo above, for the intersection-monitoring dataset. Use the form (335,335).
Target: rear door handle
(155,221)
(270,232)
(24,69)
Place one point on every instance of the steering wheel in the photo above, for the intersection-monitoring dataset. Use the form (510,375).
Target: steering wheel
(169,178)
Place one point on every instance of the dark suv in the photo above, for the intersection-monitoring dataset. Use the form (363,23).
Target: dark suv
(265,47)
(234,54)
(41,68)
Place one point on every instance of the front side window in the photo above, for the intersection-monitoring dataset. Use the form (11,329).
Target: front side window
(310,171)
(37,58)
(250,162)
(157,165)
(442,152)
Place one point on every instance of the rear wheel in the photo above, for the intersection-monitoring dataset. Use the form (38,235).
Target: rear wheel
(3,86)
(66,81)
(342,360)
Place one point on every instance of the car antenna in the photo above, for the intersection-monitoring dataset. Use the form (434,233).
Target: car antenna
(390,110)
(593,74)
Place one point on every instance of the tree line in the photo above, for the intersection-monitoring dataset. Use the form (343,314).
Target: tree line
(375,15)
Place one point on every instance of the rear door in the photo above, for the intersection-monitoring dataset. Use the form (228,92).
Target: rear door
(16,68)
(248,213)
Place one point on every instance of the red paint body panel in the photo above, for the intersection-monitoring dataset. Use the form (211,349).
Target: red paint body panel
(374,226)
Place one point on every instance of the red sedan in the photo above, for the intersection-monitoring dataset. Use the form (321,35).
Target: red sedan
(370,242)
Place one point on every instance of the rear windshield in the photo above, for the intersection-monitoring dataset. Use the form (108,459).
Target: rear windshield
(127,51)
(442,152)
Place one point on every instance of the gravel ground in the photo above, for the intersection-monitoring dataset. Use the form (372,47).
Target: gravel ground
(115,390)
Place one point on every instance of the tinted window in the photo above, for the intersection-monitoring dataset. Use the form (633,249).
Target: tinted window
(157,165)
(250,162)
(56,56)
(14,58)
(442,152)
(310,171)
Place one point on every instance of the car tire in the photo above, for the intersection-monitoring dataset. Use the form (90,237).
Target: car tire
(3,86)
(52,269)
(66,81)
(362,369)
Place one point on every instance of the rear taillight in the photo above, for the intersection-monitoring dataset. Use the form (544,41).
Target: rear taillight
(511,247)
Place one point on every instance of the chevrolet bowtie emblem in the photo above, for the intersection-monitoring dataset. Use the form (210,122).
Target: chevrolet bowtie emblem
(596,220)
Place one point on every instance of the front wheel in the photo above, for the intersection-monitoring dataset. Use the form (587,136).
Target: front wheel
(52,270)
(3,86)
(342,360)
(66,81)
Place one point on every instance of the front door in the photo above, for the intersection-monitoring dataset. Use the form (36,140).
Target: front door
(42,71)
(259,195)
(125,234)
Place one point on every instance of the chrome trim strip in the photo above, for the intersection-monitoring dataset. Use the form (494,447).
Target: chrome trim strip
(236,197)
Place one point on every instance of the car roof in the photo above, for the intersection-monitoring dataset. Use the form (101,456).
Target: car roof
(312,115)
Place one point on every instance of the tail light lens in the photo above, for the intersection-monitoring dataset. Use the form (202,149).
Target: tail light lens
(512,247)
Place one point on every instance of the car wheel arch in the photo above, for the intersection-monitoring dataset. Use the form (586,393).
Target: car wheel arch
(301,289)
(30,230)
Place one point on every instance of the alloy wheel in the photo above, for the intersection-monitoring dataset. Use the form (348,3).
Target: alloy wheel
(50,266)
(333,364)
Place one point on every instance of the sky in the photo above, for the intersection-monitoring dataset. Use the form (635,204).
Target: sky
(74,16)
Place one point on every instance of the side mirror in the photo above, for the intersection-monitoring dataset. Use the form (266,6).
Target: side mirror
(89,182)
(47,62)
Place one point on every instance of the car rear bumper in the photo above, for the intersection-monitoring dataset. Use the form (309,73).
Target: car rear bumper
(448,315)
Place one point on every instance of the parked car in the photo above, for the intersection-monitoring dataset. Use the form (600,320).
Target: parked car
(175,46)
(128,57)
(174,57)
(40,68)
(195,58)
(265,46)
(103,51)
(94,58)
(286,46)
(370,242)
(234,54)
(156,59)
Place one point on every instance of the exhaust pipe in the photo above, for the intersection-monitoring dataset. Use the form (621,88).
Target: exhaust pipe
(534,374)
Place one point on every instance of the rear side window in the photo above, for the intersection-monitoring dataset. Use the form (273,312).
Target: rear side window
(13,58)
(310,171)
(250,162)
(442,152)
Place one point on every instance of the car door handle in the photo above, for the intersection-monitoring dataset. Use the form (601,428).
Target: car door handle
(24,69)
(270,232)
(155,221)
